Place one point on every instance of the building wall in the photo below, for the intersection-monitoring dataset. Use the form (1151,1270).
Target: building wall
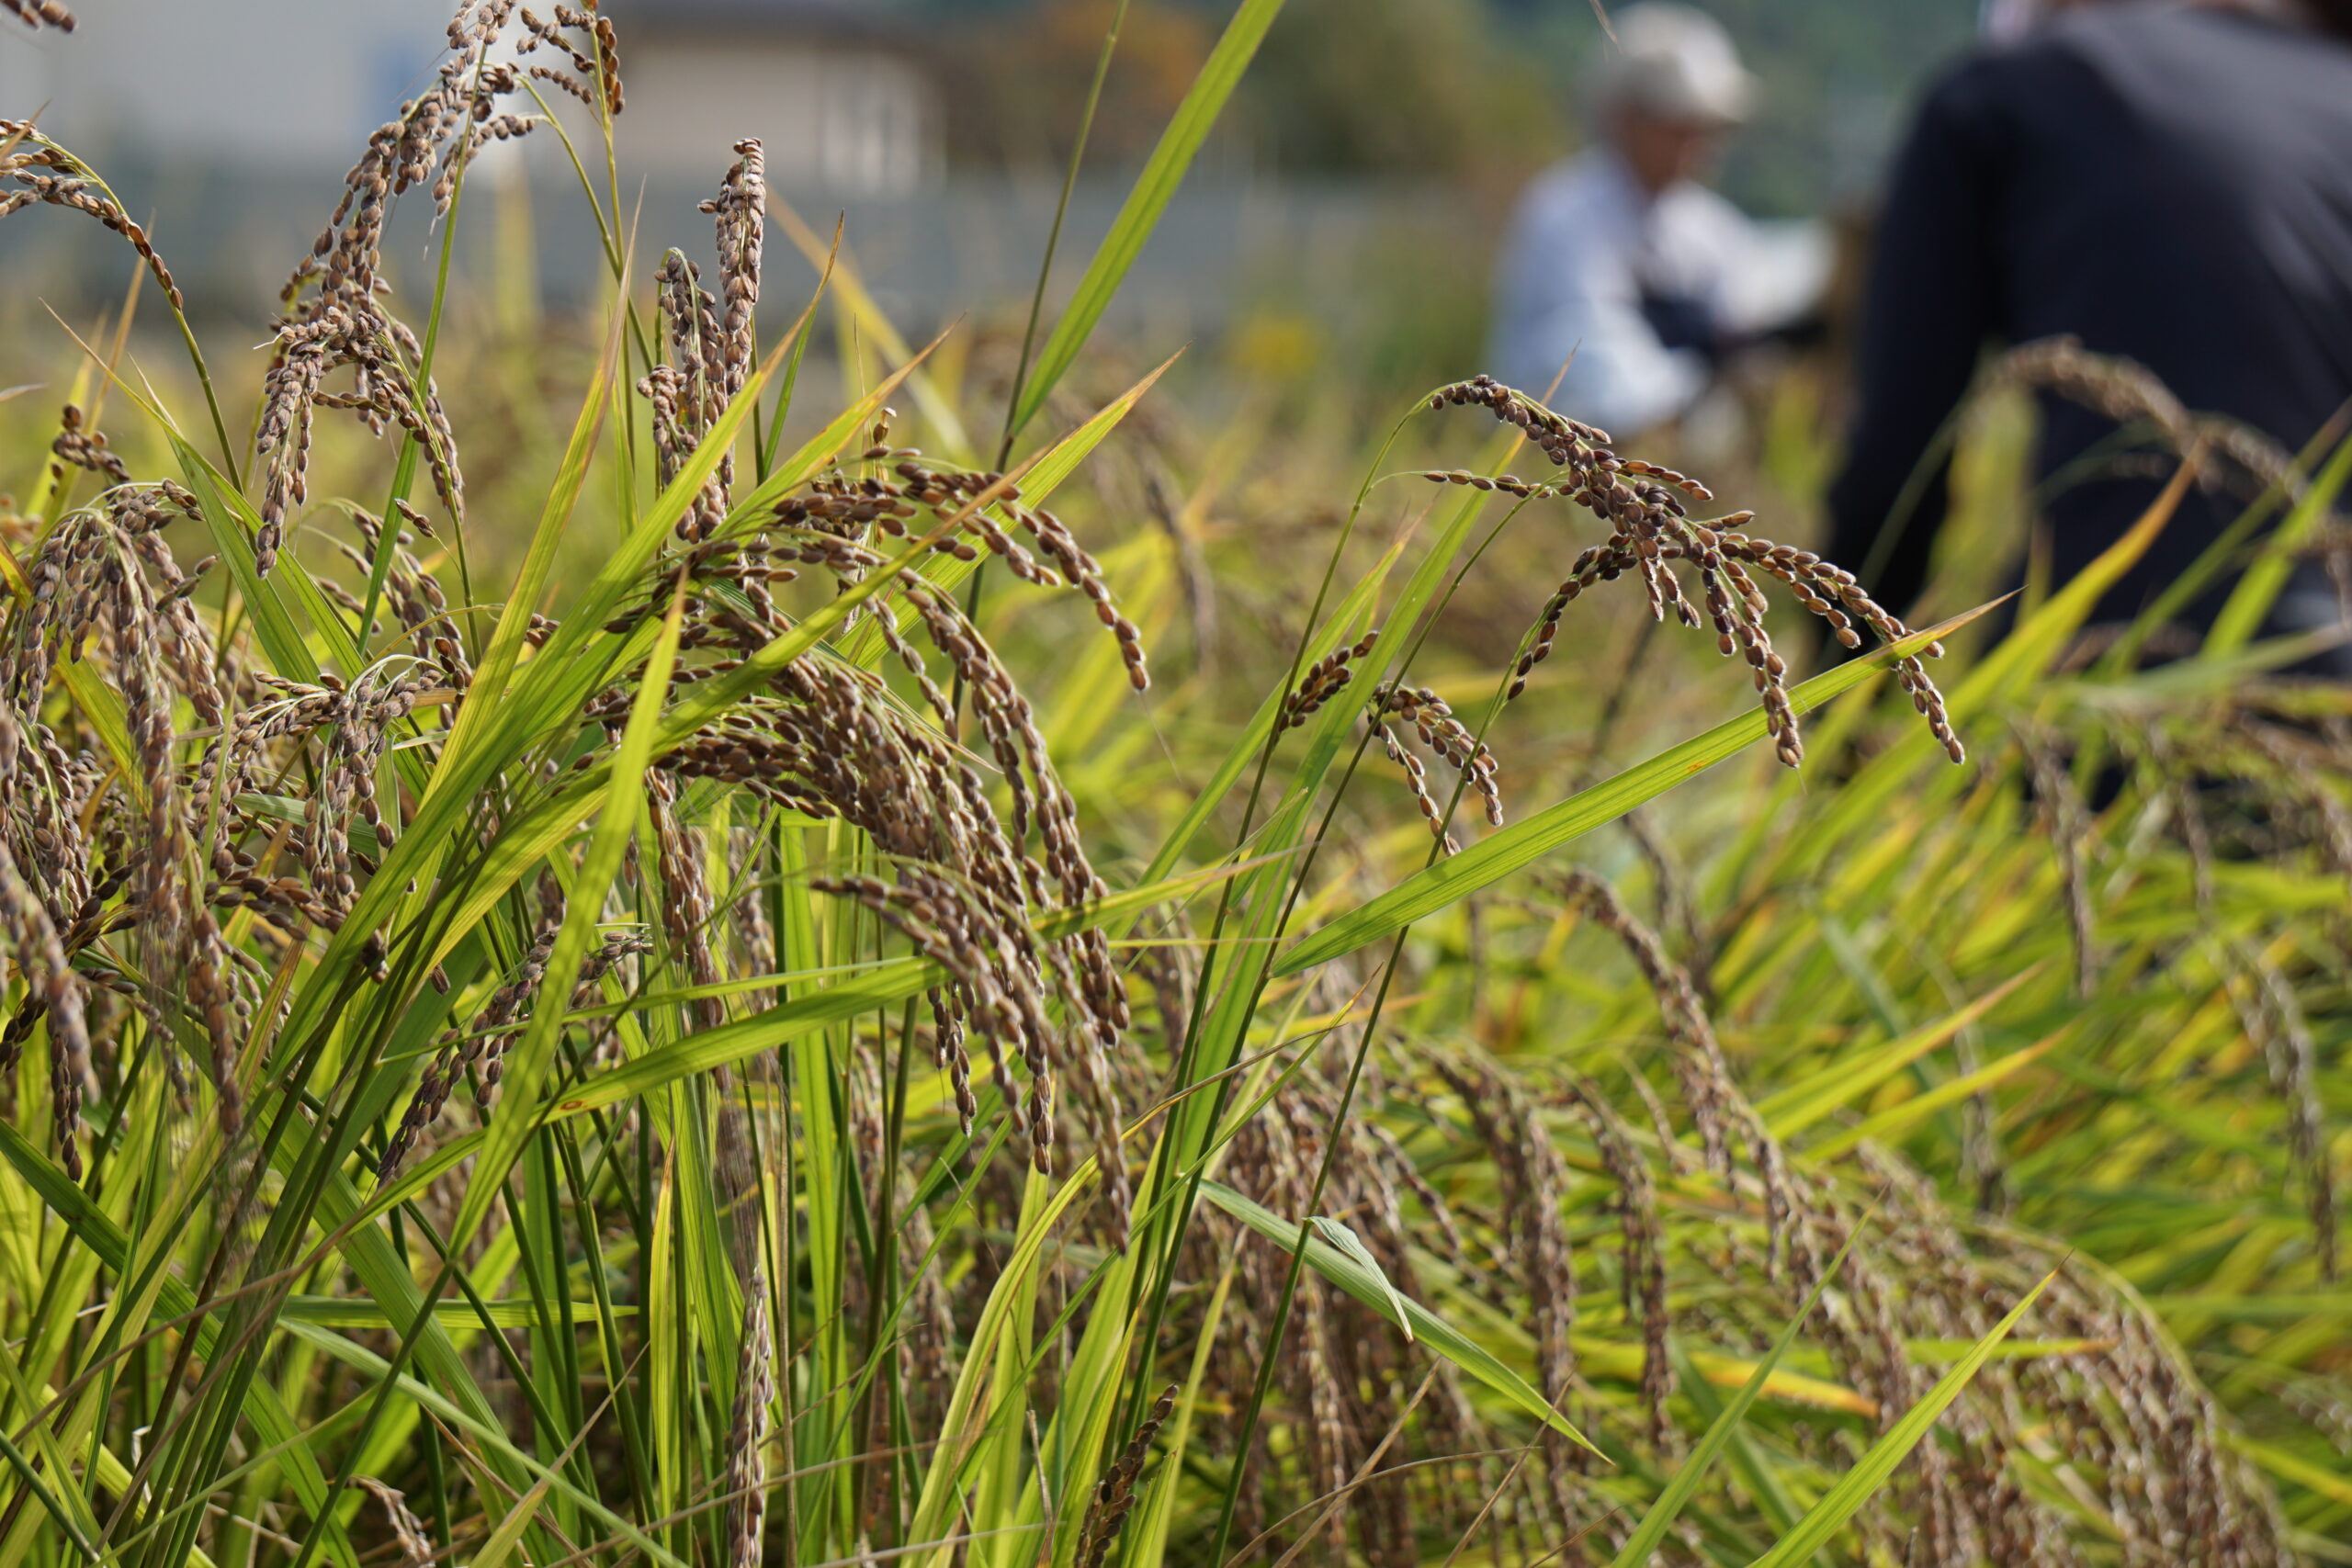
(226,126)
(856,121)
(270,83)
(277,85)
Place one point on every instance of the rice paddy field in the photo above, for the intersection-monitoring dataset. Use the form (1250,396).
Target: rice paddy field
(714,935)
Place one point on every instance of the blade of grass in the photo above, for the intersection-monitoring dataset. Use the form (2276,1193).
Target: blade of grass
(1054,232)
(1685,1485)
(530,1058)
(1891,1122)
(1418,1322)
(2250,602)
(1219,74)
(1857,1486)
(839,268)
(1799,1105)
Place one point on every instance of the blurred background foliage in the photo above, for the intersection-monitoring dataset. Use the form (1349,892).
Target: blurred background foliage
(1347,201)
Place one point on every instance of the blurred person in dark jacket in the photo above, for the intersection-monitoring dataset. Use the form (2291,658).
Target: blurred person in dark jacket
(2167,182)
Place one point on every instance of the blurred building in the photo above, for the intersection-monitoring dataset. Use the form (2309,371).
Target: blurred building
(837,90)
(840,93)
(227,125)
(267,84)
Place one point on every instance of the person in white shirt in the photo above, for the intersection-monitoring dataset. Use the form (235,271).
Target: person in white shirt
(1618,263)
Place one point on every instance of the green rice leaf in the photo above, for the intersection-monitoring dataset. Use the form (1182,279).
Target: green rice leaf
(1345,1242)
(2259,590)
(1368,1285)
(1219,74)
(1857,1486)
(1897,1119)
(532,1055)
(1685,1485)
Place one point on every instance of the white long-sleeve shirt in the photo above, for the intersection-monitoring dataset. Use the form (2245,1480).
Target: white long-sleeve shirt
(1585,245)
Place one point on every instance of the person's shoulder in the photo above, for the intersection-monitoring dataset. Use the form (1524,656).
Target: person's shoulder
(2103,49)
(2082,36)
(1979,77)
(1573,193)
(2177,36)
(1577,179)
(1989,85)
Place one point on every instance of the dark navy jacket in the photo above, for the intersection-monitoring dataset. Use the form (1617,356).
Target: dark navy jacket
(2167,182)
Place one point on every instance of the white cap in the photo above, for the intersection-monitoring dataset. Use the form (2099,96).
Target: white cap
(1674,61)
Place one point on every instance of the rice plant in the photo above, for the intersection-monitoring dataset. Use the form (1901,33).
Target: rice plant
(718,1050)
